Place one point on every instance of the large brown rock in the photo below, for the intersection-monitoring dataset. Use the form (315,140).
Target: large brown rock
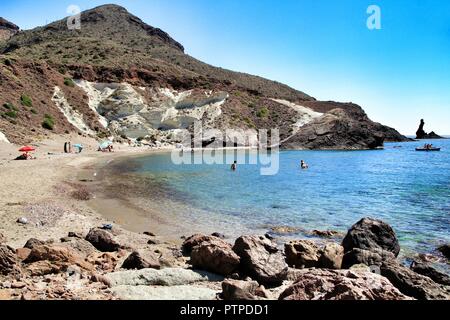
(102,240)
(413,284)
(261,260)
(194,241)
(302,254)
(140,260)
(239,290)
(31,243)
(9,262)
(369,258)
(215,256)
(430,272)
(321,284)
(331,257)
(54,258)
(371,234)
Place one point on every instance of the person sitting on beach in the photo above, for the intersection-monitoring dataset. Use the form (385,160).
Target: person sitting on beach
(234,166)
(304,165)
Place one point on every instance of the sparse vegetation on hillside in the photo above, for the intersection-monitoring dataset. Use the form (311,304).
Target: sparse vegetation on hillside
(263,113)
(48,123)
(26,101)
(69,82)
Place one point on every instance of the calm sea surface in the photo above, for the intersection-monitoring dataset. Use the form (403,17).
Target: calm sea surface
(410,190)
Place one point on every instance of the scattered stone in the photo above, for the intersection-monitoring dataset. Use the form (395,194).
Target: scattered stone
(193,241)
(153,242)
(284,230)
(139,260)
(74,235)
(9,262)
(31,243)
(219,235)
(261,260)
(428,271)
(18,285)
(150,234)
(22,220)
(302,254)
(326,234)
(370,234)
(81,246)
(239,290)
(331,257)
(413,284)
(101,279)
(102,240)
(2,238)
(322,284)
(369,258)
(215,256)
(445,250)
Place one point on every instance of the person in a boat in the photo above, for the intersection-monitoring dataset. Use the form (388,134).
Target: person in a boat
(304,165)
(234,166)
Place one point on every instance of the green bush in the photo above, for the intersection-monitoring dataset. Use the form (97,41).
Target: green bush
(11,114)
(26,101)
(48,123)
(10,106)
(262,113)
(69,82)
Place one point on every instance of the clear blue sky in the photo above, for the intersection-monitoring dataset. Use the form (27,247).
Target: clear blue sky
(399,74)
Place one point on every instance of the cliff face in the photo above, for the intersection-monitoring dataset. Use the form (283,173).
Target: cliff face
(119,76)
(7,29)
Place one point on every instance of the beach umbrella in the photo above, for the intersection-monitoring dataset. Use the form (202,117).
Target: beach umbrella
(27,149)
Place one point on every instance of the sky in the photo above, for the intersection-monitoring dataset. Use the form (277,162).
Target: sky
(399,74)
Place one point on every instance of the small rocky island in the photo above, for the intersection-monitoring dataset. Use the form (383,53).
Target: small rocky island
(421,134)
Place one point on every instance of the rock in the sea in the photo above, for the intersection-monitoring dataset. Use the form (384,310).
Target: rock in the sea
(218,235)
(413,284)
(215,256)
(326,234)
(331,257)
(302,254)
(261,260)
(430,272)
(370,234)
(140,260)
(31,243)
(369,258)
(240,290)
(445,250)
(102,240)
(193,241)
(9,262)
(421,134)
(55,258)
(321,284)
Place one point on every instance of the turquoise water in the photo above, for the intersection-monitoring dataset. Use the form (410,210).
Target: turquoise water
(410,190)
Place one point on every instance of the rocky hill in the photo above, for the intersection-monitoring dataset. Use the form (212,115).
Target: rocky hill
(118,76)
(7,29)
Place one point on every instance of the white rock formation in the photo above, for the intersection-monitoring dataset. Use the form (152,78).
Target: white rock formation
(305,115)
(3,138)
(73,116)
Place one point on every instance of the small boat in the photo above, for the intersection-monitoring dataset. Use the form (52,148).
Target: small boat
(428,149)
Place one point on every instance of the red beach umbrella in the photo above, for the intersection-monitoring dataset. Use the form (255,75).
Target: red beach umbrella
(27,149)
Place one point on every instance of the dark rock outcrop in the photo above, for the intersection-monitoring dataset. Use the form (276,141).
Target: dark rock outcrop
(369,258)
(102,240)
(302,254)
(371,234)
(31,243)
(445,250)
(139,260)
(428,271)
(194,241)
(421,134)
(413,284)
(261,260)
(321,284)
(216,256)
(9,262)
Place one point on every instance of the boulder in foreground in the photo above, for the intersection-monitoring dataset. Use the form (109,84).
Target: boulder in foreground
(321,284)
(139,260)
(261,260)
(102,240)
